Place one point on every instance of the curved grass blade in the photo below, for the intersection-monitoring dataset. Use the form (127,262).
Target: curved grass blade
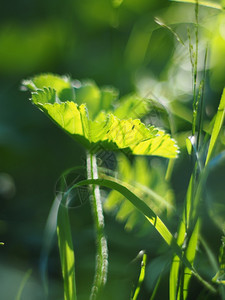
(23,283)
(51,223)
(162,24)
(141,206)
(217,126)
(66,253)
(49,233)
(140,180)
(151,217)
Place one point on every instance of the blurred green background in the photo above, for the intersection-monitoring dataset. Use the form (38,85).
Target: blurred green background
(113,42)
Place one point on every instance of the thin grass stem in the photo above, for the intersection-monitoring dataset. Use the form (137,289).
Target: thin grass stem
(141,277)
(23,283)
(155,288)
(195,71)
(200,123)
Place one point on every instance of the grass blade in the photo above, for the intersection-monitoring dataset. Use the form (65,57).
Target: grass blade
(49,234)
(184,225)
(174,278)
(190,255)
(162,24)
(145,209)
(217,126)
(184,113)
(151,217)
(141,277)
(174,270)
(155,289)
(23,283)
(66,253)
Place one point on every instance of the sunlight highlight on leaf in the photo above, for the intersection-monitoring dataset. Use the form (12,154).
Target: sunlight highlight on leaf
(105,129)
(143,181)
(66,253)
(152,218)
(144,208)
(217,126)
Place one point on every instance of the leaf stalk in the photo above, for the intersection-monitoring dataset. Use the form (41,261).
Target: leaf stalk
(101,270)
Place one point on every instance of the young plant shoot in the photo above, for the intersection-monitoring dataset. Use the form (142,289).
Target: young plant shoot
(96,119)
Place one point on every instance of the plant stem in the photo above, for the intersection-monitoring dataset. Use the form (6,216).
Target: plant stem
(102,249)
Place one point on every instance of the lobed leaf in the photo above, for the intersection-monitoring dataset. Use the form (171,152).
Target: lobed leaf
(93,131)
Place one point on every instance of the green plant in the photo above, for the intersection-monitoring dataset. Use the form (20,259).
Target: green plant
(95,127)
(89,115)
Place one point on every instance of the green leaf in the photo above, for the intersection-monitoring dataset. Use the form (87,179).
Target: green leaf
(66,253)
(141,277)
(85,92)
(142,181)
(105,130)
(95,98)
(217,126)
(173,280)
(220,275)
(161,23)
(190,255)
(61,85)
(175,266)
(132,106)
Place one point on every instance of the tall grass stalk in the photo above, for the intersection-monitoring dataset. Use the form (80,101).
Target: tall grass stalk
(189,230)
(201,106)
